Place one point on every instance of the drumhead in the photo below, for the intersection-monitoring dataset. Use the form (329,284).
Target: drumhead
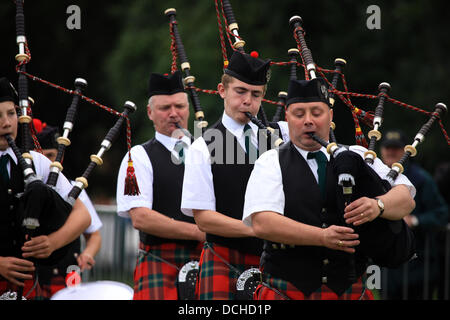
(98,290)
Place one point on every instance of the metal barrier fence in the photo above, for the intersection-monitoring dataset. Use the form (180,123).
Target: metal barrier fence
(433,280)
(116,259)
(117,256)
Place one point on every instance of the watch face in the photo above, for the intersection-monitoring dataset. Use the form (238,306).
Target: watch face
(380,204)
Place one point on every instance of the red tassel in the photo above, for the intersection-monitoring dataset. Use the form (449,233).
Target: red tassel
(360,139)
(131,185)
(368,119)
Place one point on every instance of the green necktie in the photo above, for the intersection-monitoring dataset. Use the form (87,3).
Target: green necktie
(250,149)
(179,148)
(321,160)
(3,167)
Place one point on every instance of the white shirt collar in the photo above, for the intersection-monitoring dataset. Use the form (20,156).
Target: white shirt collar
(236,128)
(11,154)
(304,153)
(169,142)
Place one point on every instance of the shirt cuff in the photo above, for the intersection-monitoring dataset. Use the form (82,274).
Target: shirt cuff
(250,210)
(92,229)
(188,206)
(124,209)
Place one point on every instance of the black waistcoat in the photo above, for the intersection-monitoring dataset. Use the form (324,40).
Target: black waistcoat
(231,171)
(12,233)
(308,267)
(167,188)
(10,242)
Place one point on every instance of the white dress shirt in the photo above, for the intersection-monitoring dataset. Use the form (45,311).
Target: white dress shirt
(42,166)
(42,170)
(96,223)
(265,185)
(144,174)
(198,186)
(284,131)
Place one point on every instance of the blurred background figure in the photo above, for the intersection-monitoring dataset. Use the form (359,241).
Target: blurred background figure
(429,216)
(442,178)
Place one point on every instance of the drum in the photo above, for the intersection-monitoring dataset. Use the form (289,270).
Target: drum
(98,290)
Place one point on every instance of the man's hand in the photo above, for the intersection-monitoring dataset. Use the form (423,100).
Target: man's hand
(16,270)
(340,238)
(85,261)
(39,247)
(361,210)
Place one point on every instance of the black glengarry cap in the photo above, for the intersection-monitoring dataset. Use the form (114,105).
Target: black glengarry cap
(165,84)
(7,91)
(315,90)
(46,134)
(248,69)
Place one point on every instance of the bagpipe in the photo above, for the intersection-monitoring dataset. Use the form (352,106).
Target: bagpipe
(188,273)
(410,150)
(177,49)
(388,243)
(310,73)
(42,210)
(186,288)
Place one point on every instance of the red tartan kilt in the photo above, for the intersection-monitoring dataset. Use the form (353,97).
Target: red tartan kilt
(156,280)
(289,292)
(217,281)
(7,286)
(57,283)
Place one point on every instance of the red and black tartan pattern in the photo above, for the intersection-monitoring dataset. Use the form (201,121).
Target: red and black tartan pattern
(56,283)
(279,289)
(35,294)
(155,279)
(217,281)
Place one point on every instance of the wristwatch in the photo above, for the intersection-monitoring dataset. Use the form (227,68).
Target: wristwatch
(380,206)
